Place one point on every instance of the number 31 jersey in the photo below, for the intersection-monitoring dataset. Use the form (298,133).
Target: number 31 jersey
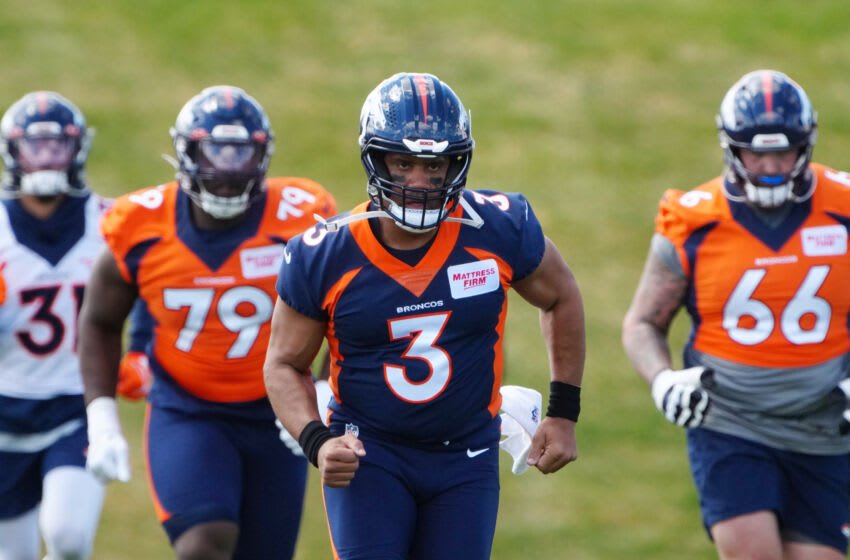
(416,350)
(44,269)
(210,293)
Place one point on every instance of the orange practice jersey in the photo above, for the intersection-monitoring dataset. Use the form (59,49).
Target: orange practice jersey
(762,296)
(210,294)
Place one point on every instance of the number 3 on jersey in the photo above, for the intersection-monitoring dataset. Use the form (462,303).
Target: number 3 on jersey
(200,300)
(805,302)
(424,330)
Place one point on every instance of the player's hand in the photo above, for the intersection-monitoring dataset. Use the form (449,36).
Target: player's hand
(107,458)
(680,395)
(553,445)
(323,399)
(134,376)
(845,421)
(339,459)
(290,442)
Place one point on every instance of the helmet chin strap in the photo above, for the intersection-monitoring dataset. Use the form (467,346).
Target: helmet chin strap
(474,220)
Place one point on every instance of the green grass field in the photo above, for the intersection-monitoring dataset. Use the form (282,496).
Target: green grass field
(590,107)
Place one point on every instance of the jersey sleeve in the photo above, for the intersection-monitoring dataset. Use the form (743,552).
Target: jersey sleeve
(296,286)
(297,200)
(671,220)
(532,241)
(114,233)
(512,228)
(325,204)
(132,221)
(682,213)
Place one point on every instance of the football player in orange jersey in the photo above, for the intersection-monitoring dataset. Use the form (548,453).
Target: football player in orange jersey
(758,257)
(202,254)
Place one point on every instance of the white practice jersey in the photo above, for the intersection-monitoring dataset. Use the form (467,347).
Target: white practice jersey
(38,317)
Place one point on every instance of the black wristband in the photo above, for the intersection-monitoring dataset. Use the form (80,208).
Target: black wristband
(564,401)
(311,439)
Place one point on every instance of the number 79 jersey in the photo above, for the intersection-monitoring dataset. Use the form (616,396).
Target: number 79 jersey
(210,293)
(416,350)
(772,297)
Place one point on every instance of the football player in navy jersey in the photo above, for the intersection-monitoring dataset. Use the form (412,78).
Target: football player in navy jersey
(48,243)
(410,290)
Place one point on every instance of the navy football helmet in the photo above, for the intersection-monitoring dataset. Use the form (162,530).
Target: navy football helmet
(766,111)
(417,115)
(224,142)
(44,143)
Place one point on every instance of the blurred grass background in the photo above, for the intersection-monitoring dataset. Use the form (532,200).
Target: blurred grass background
(590,107)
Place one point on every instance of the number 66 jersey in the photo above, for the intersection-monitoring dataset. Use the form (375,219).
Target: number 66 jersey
(770,306)
(210,293)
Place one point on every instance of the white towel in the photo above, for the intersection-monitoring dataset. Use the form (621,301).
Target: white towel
(521,413)
(323,398)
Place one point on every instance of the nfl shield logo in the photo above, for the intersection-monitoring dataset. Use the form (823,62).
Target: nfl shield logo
(352,429)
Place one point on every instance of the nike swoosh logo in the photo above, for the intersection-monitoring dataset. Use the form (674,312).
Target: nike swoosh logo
(470,453)
(287,256)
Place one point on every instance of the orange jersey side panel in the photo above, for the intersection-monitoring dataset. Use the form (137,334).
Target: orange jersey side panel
(505,275)
(760,296)
(211,323)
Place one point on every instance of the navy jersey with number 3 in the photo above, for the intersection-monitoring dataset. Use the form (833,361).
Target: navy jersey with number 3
(416,350)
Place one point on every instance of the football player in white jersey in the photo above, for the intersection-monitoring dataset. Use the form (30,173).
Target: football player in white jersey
(49,238)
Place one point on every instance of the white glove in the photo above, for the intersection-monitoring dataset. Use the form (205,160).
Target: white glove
(521,414)
(108,458)
(323,398)
(845,423)
(680,396)
(290,442)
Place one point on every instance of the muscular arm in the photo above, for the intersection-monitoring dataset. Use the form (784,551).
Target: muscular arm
(553,289)
(658,297)
(107,303)
(295,340)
